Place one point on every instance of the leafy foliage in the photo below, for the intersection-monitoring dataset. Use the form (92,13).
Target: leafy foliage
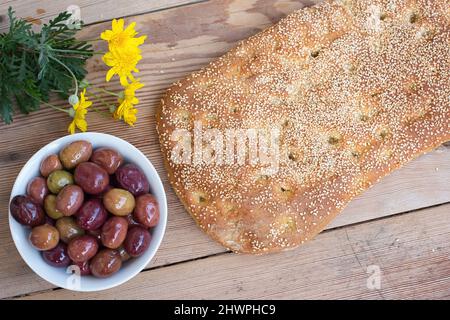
(33,64)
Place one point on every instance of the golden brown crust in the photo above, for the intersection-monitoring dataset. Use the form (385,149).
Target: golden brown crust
(358,89)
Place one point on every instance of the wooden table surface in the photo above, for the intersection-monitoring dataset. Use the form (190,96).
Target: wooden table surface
(400,227)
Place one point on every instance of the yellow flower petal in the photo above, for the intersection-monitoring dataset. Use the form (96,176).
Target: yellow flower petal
(80,113)
(117,25)
(130,29)
(71,128)
(129,115)
(106,35)
(123,80)
(81,124)
(118,113)
(109,74)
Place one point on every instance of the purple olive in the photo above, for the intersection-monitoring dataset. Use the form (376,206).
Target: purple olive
(27,212)
(92,214)
(92,178)
(57,257)
(137,241)
(131,178)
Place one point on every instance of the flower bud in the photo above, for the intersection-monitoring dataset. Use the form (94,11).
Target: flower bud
(84,84)
(73,100)
(112,109)
(72,112)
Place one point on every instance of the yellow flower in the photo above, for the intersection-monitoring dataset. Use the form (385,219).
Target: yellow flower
(122,63)
(130,90)
(118,38)
(126,109)
(129,115)
(79,114)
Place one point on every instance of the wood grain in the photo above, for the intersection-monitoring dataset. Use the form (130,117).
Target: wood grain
(183,40)
(40,12)
(411,252)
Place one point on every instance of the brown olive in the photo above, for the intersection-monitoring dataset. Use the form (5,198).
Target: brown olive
(82,248)
(91,177)
(50,164)
(58,179)
(105,263)
(137,241)
(114,232)
(37,189)
(68,229)
(132,179)
(50,207)
(27,212)
(146,211)
(44,237)
(75,153)
(119,202)
(69,200)
(108,159)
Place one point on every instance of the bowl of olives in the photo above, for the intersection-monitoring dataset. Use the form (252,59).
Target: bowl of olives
(88,212)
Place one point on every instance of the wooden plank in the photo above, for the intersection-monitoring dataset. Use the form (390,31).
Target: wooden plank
(90,11)
(183,40)
(180,43)
(184,241)
(410,252)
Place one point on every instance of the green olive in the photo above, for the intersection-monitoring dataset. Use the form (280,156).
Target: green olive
(50,207)
(68,229)
(119,202)
(58,179)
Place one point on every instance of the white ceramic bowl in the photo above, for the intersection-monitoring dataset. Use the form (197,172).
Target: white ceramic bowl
(63,277)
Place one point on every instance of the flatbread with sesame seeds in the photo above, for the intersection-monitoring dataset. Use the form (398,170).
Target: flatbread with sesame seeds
(356,88)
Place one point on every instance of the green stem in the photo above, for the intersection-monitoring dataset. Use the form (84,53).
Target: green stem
(77,51)
(70,71)
(103,101)
(103,113)
(108,92)
(54,107)
(50,105)
(89,40)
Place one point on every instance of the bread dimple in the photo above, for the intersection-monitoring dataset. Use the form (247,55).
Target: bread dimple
(357,88)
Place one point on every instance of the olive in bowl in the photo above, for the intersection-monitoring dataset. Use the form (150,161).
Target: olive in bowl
(92,178)
(108,267)
(37,189)
(26,211)
(131,178)
(107,158)
(44,237)
(92,215)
